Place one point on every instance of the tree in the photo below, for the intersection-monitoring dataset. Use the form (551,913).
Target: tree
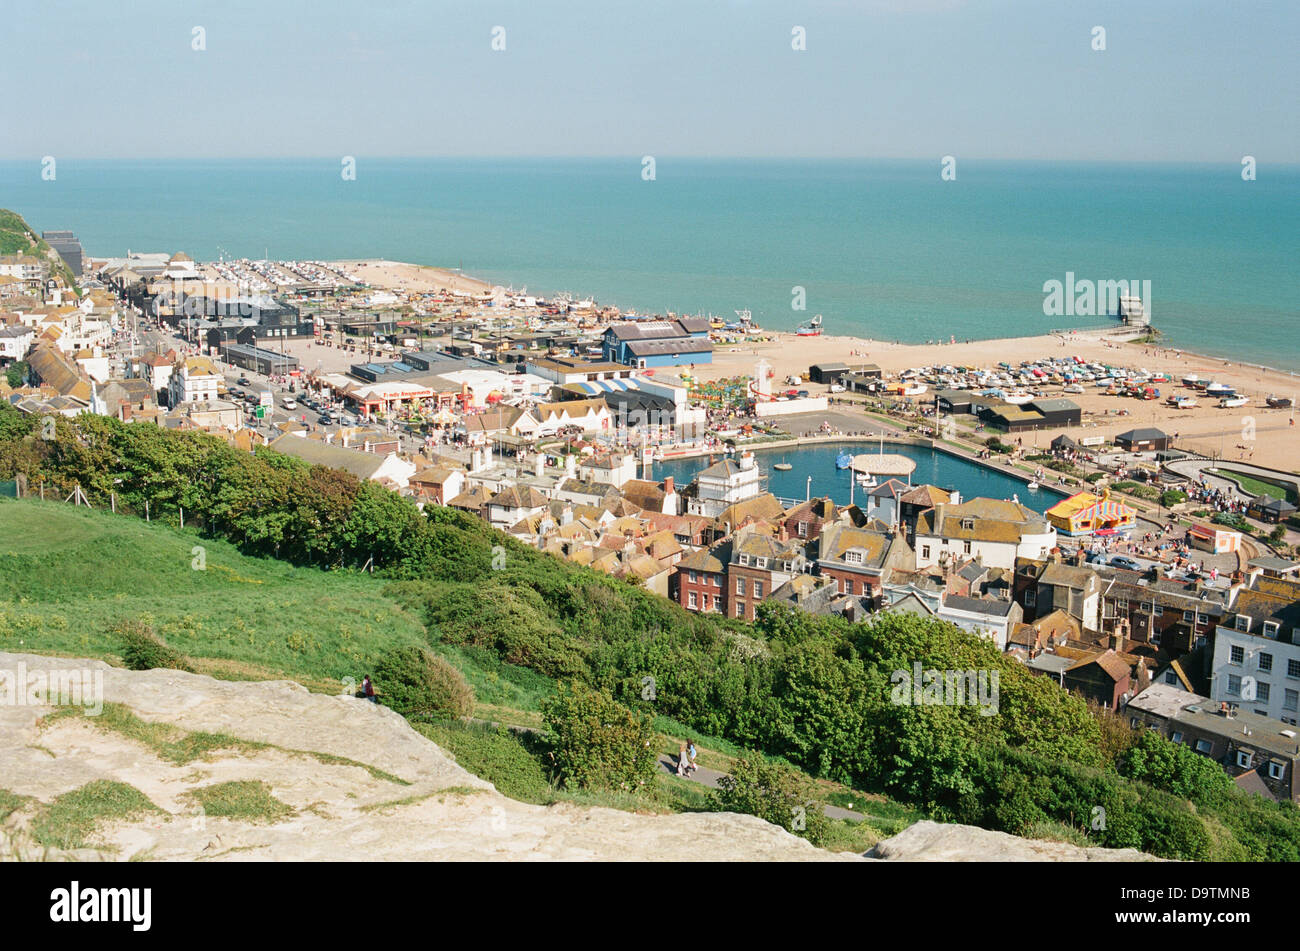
(16,375)
(596,742)
(776,794)
(419,684)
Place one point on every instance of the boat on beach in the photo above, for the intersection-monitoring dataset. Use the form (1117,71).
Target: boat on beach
(1231,402)
(1278,402)
(811,329)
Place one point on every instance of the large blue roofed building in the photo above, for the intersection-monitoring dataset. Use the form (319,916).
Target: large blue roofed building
(659,343)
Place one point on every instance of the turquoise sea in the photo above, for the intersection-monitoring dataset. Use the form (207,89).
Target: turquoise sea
(882,248)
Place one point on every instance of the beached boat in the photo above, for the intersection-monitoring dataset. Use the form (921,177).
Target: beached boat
(843,460)
(811,329)
(1232,402)
(1194,381)
(1182,402)
(1278,402)
(1019,398)
(1073,388)
(1219,389)
(914,389)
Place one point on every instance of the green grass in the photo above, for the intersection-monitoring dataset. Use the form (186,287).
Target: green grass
(69,821)
(10,803)
(177,746)
(247,799)
(66,574)
(1253,485)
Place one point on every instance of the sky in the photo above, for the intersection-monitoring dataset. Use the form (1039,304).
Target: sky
(1178,80)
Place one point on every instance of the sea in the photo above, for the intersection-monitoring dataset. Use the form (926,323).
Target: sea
(882,249)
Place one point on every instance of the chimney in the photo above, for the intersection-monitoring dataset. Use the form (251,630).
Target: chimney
(668,485)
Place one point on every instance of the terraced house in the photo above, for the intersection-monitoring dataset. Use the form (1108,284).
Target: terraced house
(861,560)
(760,563)
(996,531)
(1256,662)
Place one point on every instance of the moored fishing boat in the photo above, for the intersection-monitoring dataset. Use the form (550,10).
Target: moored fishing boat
(811,329)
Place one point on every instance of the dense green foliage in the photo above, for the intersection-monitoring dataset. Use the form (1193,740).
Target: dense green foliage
(142,649)
(776,793)
(816,691)
(422,685)
(16,373)
(598,743)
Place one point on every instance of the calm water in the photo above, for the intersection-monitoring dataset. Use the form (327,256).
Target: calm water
(883,249)
(933,468)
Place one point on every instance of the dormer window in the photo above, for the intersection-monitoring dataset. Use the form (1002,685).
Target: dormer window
(761,563)
(744,560)
(968,524)
(1271,629)
(1243,623)
(853,557)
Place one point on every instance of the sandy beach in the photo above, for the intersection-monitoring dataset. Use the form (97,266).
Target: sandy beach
(415,278)
(1206,428)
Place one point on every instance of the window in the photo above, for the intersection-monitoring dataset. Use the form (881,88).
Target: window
(1204,746)
(1234,684)
(1265,661)
(1171,678)
(758,589)
(1242,623)
(1293,668)
(848,586)
(690,603)
(965,547)
(1158,610)
(1236,654)
(1270,629)
(1031,598)
(1291,699)
(744,560)
(853,557)
(925,551)
(1262,691)
(1176,736)
(740,609)
(1201,618)
(1189,617)
(803,529)
(762,562)
(717,602)
(1145,607)
(692,577)
(1244,759)
(1155,635)
(1276,770)
(1121,604)
(740,586)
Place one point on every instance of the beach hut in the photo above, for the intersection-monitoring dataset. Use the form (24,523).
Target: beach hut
(1087,514)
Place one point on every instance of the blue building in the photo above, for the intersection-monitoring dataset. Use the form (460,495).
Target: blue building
(659,343)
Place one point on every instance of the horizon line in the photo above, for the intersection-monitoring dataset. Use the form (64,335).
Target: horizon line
(633,157)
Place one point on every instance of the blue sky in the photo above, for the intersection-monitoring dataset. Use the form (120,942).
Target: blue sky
(1180,80)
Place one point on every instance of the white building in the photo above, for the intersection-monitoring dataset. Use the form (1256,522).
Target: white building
(1257,656)
(725,483)
(193,380)
(996,531)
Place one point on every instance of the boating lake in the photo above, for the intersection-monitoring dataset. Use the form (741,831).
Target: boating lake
(932,467)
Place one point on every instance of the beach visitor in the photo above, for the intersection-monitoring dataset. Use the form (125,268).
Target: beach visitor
(368,690)
(681,760)
(692,752)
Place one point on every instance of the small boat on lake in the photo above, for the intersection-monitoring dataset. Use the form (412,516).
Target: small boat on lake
(1033,487)
(783,467)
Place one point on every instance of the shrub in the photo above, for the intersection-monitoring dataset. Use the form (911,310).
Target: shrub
(1093,478)
(1277,535)
(1171,497)
(596,742)
(1174,768)
(142,649)
(776,794)
(416,683)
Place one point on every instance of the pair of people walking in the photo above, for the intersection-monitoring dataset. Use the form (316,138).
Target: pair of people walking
(686,758)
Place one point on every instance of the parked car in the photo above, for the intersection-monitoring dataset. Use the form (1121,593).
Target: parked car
(289,403)
(1123,561)
(326,419)
(836,388)
(244,381)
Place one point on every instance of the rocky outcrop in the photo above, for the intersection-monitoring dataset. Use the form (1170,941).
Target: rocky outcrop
(927,841)
(360,782)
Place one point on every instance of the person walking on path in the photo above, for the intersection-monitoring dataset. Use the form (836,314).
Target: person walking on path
(681,760)
(692,752)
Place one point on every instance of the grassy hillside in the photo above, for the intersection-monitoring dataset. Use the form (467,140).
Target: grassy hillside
(14,240)
(67,574)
